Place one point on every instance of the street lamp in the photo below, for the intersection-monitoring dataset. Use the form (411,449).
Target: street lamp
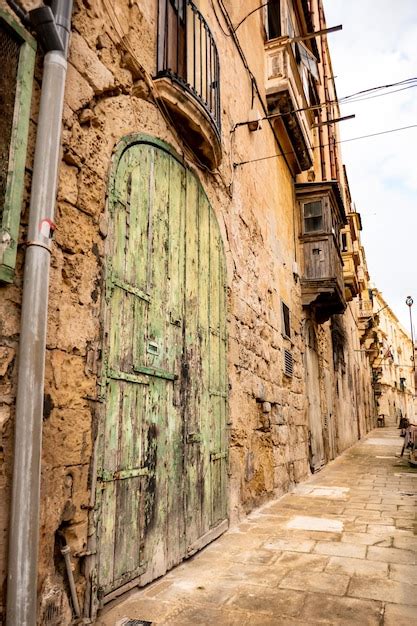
(409,302)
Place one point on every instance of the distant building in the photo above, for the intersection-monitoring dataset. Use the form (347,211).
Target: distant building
(391,354)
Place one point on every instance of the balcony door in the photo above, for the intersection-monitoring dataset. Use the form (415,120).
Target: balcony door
(272,17)
(172,48)
(161,471)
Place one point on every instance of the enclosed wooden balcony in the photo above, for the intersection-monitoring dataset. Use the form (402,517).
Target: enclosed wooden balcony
(291,71)
(350,276)
(366,322)
(356,252)
(352,256)
(363,275)
(188,77)
(322,215)
(365,309)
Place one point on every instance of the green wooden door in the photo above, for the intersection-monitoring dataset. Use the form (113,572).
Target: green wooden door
(162,447)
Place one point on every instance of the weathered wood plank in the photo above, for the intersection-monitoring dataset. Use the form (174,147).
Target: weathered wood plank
(127,529)
(139,193)
(192,369)
(111,427)
(106,533)
(175,548)
(158,218)
(156,357)
(139,247)
(204,253)
(218,378)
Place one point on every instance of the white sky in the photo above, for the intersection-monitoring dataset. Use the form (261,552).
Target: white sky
(377,46)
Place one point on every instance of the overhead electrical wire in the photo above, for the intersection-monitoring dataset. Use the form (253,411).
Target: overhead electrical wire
(218,21)
(396,84)
(252,78)
(352,98)
(232,34)
(378,95)
(251,13)
(274,156)
(187,150)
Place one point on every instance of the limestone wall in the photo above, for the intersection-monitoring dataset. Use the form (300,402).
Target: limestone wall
(112,57)
(353,401)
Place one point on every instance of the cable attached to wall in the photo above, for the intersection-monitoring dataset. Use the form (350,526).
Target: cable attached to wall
(188,152)
(252,78)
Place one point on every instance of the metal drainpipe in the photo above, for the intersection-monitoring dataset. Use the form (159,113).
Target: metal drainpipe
(66,553)
(21,13)
(24,516)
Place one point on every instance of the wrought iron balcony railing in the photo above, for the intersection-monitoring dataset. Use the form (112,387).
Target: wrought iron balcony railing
(187,54)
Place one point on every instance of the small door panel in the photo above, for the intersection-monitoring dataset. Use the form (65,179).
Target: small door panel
(314,410)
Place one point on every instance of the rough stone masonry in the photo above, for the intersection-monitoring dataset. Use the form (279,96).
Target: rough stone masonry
(109,96)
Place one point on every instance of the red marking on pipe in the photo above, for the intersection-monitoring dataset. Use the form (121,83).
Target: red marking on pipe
(47,227)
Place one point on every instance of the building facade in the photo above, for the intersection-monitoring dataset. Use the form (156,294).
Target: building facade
(203,334)
(391,354)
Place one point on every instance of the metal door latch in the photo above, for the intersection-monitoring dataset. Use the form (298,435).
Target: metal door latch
(194,438)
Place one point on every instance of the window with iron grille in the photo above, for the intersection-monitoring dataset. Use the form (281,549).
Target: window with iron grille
(17,54)
(288,364)
(286,323)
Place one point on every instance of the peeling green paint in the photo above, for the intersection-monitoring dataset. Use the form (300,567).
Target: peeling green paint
(163,444)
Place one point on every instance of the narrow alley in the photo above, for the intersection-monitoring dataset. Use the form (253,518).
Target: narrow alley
(206,310)
(341,549)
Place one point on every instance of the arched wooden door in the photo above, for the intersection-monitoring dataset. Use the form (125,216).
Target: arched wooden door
(161,479)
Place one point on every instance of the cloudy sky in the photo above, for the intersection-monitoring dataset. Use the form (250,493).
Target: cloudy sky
(377,46)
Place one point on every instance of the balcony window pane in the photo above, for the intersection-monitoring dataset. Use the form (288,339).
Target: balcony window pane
(274,19)
(308,60)
(187,53)
(179,6)
(175,49)
(313,216)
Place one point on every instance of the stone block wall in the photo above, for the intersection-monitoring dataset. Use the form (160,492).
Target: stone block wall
(108,96)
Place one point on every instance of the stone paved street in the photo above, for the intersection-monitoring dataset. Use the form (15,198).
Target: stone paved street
(340,549)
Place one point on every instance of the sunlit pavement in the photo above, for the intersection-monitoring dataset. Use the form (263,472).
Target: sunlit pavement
(340,549)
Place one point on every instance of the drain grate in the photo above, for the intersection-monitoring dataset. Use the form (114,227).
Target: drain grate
(137,622)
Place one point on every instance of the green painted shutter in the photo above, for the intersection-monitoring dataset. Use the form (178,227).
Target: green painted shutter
(17,53)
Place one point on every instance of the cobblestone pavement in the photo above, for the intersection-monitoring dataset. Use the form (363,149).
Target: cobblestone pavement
(340,549)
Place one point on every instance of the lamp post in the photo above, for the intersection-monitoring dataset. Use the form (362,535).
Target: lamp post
(409,302)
